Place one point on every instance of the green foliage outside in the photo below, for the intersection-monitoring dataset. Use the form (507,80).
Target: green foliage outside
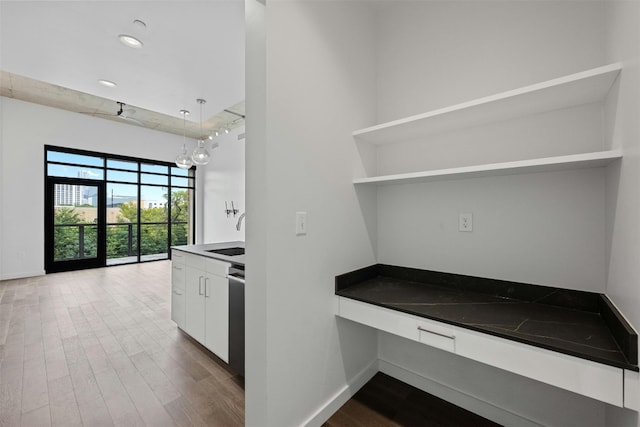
(153,237)
(67,238)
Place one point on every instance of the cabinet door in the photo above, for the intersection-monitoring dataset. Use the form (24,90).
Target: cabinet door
(178,307)
(178,294)
(177,257)
(195,304)
(177,275)
(217,315)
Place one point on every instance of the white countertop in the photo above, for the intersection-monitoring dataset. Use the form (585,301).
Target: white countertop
(202,249)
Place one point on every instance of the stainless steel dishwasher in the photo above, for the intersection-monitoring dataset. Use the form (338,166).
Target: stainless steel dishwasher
(236,318)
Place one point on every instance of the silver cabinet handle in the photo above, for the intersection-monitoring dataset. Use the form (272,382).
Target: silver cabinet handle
(206,294)
(437,333)
(175,267)
(177,293)
(200,285)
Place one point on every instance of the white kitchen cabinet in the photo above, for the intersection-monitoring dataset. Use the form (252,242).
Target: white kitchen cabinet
(595,380)
(206,303)
(216,293)
(178,292)
(195,323)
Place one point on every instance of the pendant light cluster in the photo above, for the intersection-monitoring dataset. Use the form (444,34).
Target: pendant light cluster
(200,155)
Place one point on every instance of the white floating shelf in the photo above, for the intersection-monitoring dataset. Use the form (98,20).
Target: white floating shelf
(572,90)
(548,164)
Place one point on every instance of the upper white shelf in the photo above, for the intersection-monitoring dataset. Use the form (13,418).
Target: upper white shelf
(547,164)
(572,90)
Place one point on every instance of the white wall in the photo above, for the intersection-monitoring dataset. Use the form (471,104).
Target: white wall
(545,229)
(222,180)
(309,84)
(624,199)
(623,181)
(26,128)
(435,54)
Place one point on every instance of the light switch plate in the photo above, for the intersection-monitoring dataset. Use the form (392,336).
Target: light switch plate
(301,223)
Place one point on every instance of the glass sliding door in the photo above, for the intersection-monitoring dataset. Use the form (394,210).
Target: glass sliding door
(122,223)
(76,225)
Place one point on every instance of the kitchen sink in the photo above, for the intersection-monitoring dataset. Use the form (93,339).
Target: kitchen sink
(228,251)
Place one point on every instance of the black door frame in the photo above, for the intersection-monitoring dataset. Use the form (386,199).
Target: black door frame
(100,260)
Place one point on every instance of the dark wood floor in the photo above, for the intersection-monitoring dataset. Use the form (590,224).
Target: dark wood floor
(385,401)
(98,348)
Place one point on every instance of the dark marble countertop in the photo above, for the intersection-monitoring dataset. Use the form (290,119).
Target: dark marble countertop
(202,249)
(577,323)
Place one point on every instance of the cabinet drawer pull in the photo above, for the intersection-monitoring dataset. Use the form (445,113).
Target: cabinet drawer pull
(452,337)
(200,285)
(177,293)
(175,267)
(206,294)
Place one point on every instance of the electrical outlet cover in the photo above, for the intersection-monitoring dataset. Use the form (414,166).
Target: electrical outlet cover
(465,222)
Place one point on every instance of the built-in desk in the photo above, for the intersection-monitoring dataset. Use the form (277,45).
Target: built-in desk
(571,339)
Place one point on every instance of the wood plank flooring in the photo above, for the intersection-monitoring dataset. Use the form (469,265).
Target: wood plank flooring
(98,348)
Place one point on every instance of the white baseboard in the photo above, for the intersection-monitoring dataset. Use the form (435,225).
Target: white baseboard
(443,391)
(22,275)
(342,396)
(456,397)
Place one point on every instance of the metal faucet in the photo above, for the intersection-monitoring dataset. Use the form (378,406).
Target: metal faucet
(239,224)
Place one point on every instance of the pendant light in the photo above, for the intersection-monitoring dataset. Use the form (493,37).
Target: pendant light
(200,155)
(183,161)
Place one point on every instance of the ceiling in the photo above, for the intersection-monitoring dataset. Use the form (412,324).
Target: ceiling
(54,52)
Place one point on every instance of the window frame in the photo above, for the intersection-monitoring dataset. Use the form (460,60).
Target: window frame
(105,157)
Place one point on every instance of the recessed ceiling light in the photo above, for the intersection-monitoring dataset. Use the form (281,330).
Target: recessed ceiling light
(107,83)
(130,41)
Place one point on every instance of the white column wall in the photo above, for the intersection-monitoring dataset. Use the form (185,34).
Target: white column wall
(257,197)
(26,128)
(313,87)
(623,180)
